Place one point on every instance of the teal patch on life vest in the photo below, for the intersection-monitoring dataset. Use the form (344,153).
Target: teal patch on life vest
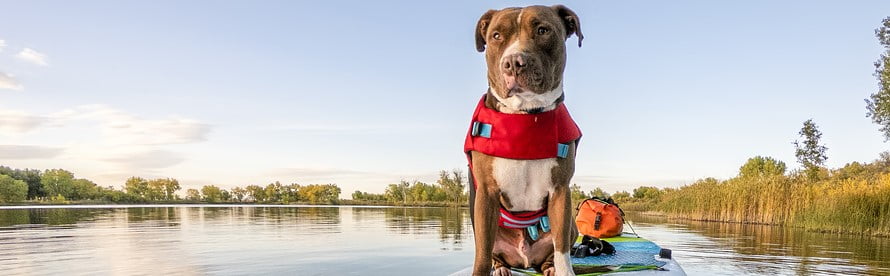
(481,129)
(562,150)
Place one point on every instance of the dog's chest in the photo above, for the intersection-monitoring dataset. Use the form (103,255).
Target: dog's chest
(525,183)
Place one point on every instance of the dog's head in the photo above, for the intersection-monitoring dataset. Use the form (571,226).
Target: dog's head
(526,54)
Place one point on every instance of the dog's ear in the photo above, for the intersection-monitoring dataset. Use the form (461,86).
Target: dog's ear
(570,21)
(482,29)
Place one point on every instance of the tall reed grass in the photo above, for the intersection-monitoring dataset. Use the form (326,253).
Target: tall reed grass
(838,202)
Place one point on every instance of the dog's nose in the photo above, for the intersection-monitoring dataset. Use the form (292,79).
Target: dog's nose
(513,62)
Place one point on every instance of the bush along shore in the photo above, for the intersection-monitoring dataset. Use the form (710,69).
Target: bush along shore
(851,199)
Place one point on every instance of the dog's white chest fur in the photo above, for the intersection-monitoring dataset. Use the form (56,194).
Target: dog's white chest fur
(526,183)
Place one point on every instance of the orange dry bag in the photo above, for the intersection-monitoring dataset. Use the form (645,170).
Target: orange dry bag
(599,218)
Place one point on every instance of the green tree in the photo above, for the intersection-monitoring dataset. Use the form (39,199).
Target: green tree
(762,166)
(137,187)
(211,193)
(621,196)
(397,192)
(290,193)
(878,104)
(452,184)
(359,195)
(646,192)
(599,193)
(225,195)
(320,193)
(31,177)
(84,189)
(155,190)
(58,182)
(238,193)
(810,153)
(576,193)
(113,195)
(256,193)
(851,171)
(12,190)
(193,195)
(273,192)
(164,189)
(422,192)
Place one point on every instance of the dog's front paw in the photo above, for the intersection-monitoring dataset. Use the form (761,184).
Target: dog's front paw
(502,271)
(549,272)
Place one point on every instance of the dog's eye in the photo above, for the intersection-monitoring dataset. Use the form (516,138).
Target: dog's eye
(542,30)
(496,35)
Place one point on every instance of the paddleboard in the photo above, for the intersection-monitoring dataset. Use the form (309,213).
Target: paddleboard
(633,256)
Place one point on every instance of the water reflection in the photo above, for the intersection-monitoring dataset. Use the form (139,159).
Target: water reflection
(305,240)
(53,217)
(225,239)
(730,248)
(449,222)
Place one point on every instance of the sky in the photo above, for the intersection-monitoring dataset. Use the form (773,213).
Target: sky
(367,93)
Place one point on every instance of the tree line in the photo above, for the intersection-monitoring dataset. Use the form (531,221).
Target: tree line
(57,185)
(449,188)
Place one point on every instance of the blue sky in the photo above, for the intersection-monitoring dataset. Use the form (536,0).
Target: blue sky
(366,93)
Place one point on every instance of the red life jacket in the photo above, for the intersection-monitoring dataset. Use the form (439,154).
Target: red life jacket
(520,136)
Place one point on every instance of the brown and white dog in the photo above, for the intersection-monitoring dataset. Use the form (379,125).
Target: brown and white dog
(526,55)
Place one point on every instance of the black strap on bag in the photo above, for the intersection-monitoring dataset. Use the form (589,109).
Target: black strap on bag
(599,218)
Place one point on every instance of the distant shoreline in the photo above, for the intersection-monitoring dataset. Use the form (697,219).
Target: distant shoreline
(39,204)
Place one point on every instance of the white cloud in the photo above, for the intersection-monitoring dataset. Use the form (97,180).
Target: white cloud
(115,126)
(18,152)
(148,159)
(99,137)
(32,56)
(316,173)
(18,122)
(346,177)
(121,128)
(2,44)
(7,81)
(341,127)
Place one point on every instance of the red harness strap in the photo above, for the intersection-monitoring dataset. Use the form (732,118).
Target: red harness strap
(520,219)
(520,136)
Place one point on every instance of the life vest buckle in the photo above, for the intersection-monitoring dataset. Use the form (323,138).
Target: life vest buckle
(533,230)
(562,150)
(481,129)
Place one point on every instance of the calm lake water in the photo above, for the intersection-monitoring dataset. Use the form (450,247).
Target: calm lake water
(304,240)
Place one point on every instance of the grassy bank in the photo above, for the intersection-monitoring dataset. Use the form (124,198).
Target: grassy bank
(853,199)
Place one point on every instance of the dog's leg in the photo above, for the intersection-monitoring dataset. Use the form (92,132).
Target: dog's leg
(485,215)
(559,209)
(560,212)
(485,230)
